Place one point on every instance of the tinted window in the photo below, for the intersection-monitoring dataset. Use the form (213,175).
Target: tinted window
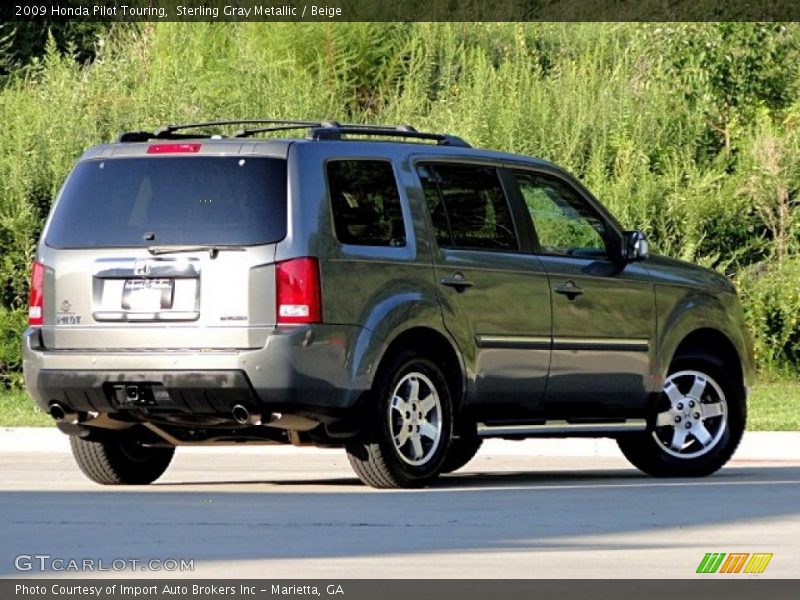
(177,200)
(366,203)
(564,222)
(468,207)
(433,198)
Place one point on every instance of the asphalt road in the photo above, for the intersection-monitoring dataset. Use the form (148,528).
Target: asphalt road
(303,514)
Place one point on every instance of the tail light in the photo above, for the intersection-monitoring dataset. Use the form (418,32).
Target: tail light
(36,299)
(298,291)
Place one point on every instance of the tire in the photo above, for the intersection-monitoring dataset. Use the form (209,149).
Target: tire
(120,461)
(386,454)
(677,442)
(461,451)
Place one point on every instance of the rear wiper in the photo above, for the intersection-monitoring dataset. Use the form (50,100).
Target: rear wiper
(213,251)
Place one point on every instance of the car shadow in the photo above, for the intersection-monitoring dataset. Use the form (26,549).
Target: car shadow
(454,482)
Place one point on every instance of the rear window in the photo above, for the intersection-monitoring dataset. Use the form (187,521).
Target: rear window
(132,202)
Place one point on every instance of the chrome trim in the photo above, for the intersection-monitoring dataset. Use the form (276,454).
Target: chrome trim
(132,268)
(560,426)
(526,342)
(537,342)
(570,343)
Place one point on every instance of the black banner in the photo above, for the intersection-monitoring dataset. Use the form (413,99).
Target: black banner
(399,10)
(519,589)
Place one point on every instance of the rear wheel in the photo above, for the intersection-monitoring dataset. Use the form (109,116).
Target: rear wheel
(461,451)
(120,461)
(698,422)
(410,426)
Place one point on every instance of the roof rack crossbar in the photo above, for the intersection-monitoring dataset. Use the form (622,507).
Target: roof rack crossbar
(325,133)
(254,130)
(169,129)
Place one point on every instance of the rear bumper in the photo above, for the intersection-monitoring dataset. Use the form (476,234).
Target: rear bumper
(304,370)
(184,392)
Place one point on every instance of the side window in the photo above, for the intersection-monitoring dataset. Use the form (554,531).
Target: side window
(430,186)
(565,224)
(365,203)
(468,207)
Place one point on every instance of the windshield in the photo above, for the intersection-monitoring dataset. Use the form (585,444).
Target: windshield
(141,202)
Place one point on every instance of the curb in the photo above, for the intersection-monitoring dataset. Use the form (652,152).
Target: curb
(756,445)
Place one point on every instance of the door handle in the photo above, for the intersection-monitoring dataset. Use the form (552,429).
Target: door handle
(570,289)
(457,281)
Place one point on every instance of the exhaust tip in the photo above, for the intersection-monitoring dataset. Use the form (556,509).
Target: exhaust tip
(57,412)
(243,416)
(62,414)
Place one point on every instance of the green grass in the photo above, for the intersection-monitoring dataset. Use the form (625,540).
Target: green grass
(18,410)
(774,406)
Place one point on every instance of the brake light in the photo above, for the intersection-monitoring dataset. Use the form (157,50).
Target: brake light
(173,148)
(298,291)
(36,298)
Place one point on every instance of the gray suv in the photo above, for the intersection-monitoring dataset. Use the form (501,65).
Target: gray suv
(396,293)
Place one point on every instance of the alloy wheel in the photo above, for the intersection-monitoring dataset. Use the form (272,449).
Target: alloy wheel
(695,415)
(415,419)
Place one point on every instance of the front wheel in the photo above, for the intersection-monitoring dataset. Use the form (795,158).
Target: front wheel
(697,425)
(410,426)
(123,460)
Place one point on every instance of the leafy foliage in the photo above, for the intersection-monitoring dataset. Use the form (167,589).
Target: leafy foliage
(688,131)
(21,43)
(772,303)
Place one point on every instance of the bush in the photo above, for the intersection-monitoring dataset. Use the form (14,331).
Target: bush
(687,131)
(771,298)
(12,324)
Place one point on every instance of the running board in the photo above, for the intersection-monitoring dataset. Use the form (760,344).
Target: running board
(561,427)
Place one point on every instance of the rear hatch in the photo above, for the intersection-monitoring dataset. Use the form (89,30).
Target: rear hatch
(161,250)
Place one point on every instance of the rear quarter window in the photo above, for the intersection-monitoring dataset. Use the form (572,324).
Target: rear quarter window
(134,202)
(365,203)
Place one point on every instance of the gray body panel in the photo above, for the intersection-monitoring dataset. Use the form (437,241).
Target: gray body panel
(502,325)
(603,350)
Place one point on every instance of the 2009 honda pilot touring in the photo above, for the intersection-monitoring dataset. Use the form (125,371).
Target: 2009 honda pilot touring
(396,293)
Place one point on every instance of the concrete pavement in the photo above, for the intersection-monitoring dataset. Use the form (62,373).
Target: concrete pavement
(283,512)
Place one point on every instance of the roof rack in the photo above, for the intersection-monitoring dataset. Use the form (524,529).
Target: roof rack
(401,131)
(317,130)
(168,132)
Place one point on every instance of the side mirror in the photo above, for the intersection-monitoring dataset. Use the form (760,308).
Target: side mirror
(635,246)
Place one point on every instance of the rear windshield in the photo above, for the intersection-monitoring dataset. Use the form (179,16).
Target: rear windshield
(132,202)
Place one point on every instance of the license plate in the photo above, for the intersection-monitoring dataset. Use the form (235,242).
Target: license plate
(147,295)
